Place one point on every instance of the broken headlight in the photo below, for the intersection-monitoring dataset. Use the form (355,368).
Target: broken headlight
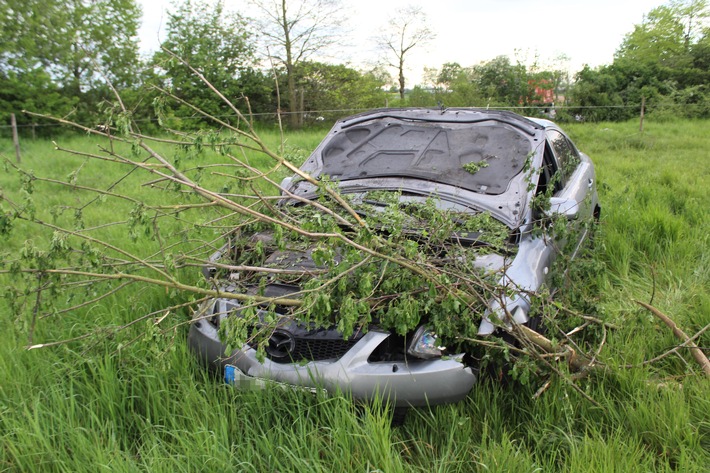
(425,344)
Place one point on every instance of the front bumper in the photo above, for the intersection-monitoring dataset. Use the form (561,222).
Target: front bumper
(413,382)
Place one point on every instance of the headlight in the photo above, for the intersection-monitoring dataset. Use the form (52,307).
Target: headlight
(425,344)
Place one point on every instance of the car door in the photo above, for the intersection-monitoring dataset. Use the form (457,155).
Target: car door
(574,194)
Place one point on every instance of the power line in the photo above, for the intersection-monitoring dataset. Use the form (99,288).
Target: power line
(317,113)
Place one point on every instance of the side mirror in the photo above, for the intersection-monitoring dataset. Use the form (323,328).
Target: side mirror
(563,206)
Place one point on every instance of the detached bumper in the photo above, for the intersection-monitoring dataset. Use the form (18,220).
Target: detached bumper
(412,383)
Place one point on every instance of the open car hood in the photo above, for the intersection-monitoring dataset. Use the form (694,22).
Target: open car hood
(475,157)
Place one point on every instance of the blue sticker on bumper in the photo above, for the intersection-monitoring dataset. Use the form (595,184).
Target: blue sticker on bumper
(229,374)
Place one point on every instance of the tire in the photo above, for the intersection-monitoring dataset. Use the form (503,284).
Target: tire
(399,415)
(499,372)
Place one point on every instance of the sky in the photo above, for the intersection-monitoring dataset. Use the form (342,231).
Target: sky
(473,31)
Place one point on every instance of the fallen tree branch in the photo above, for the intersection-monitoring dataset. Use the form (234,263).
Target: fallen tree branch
(671,351)
(694,350)
(576,362)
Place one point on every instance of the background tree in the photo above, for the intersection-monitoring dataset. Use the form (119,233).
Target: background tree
(295,30)
(31,90)
(382,75)
(669,38)
(597,90)
(462,89)
(661,37)
(216,43)
(339,88)
(558,73)
(77,42)
(406,30)
(453,86)
(502,82)
(701,57)
(450,73)
(65,48)
(664,60)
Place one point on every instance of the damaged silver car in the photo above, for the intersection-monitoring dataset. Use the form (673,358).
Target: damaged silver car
(466,162)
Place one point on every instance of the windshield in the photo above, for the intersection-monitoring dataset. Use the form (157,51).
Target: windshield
(481,157)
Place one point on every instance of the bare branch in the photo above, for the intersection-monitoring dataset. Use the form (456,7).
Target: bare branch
(694,349)
(407,29)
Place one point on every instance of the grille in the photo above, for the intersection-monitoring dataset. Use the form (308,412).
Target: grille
(291,341)
(311,350)
(315,350)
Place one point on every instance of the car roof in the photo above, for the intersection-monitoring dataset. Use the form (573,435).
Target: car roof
(543,122)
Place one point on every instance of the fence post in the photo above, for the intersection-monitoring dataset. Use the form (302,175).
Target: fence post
(643,107)
(301,109)
(15,139)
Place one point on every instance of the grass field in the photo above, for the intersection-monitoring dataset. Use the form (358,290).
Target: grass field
(93,405)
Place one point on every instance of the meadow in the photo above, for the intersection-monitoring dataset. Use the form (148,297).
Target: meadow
(138,401)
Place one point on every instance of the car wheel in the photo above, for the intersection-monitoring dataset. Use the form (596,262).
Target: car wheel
(499,370)
(536,324)
(399,415)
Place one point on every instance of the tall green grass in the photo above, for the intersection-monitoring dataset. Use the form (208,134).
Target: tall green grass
(655,187)
(100,405)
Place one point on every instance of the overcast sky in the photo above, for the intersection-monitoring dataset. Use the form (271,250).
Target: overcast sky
(472,31)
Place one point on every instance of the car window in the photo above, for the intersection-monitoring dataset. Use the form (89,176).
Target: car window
(565,152)
(548,184)
(550,181)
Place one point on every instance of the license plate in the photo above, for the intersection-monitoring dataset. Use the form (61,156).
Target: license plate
(237,378)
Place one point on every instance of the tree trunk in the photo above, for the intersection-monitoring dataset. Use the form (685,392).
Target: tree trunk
(401,78)
(293,118)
